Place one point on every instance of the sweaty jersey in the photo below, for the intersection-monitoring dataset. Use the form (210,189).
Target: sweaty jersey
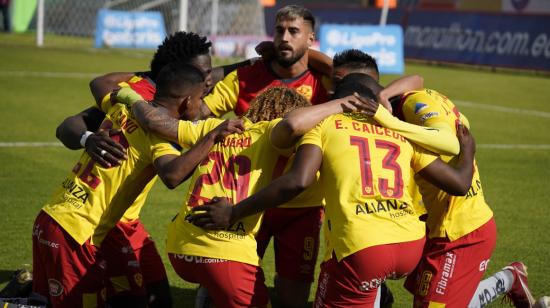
(448,216)
(235,168)
(364,174)
(92,199)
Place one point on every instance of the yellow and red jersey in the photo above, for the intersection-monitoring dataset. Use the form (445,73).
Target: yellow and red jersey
(239,87)
(365,176)
(235,168)
(448,216)
(92,199)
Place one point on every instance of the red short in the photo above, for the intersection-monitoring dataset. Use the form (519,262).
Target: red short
(66,273)
(354,281)
(449,272)
(296,233)
(132,259)
(229,283)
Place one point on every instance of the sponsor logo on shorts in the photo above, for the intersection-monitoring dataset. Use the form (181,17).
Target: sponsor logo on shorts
(483,265)
(371,284)
(198,259)
(37,232)
(446,274)
(56,288)
(322,289)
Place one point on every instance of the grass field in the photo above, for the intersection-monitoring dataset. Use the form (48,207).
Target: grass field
(509,113)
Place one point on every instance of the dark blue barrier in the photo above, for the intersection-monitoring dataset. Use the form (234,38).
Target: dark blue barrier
(497,40)
(500,40)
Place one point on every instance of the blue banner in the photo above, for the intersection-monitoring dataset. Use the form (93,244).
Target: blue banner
(129,29)
(385,44)
(500,40)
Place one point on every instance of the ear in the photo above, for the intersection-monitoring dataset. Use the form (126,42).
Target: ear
(184,102)
(311,39)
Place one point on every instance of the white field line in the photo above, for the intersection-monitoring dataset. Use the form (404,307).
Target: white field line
(529,112)
(49,74)
(479,146)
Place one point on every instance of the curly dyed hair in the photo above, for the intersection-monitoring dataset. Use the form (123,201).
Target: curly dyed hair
(180,47)
(273,103)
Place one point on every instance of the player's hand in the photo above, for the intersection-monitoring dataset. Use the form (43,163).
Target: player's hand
(266,50)
(227,127)
(364,105)
(466,140)
(215,215)
(104,150)
(384,100)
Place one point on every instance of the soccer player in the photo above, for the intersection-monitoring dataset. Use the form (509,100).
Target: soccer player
(76,132)
(226,261)
(68,266)
(434,111)
(296,246)
(373,232)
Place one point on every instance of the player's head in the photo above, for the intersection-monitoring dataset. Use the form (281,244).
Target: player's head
(294,34)
(361,84)
(273,103)
(353,61)
(179,90)
(184,47)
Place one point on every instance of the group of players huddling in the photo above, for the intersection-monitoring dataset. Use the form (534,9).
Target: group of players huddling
(388,172)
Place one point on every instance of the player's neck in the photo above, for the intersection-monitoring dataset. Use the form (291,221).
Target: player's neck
(292,71)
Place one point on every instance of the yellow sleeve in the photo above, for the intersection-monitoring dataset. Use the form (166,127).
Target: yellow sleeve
(223,97)
(160,147)
(421,158)
(314,136)
(437,138)
(106,101)
(190,132)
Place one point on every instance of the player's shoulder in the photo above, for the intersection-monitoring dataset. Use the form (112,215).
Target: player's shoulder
(252,71)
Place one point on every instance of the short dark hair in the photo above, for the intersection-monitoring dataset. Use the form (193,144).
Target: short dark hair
(294,11)
(177,77)
(355,58)
(180,47)
(361,84)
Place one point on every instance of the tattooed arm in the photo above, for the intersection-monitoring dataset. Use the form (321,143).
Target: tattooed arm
(156,120)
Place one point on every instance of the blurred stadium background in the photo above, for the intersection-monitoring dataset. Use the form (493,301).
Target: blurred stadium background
(491,57)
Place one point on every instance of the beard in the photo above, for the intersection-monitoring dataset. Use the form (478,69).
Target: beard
(288,62)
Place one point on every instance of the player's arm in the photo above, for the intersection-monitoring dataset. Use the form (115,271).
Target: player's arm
(438,137)
(102,85)
(458,179)
(302,173)
(398,87)
(219,72)
(174,169)
(223,97)
(77,132)
(301,120)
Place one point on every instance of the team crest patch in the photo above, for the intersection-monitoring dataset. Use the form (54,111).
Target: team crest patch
(139,279)
(305,90)
(418,107)
(56,288)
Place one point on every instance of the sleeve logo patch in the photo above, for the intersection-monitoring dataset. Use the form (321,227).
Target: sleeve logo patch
(428,115)
(419,107)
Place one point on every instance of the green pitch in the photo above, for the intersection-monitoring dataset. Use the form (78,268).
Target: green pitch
(509,114)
